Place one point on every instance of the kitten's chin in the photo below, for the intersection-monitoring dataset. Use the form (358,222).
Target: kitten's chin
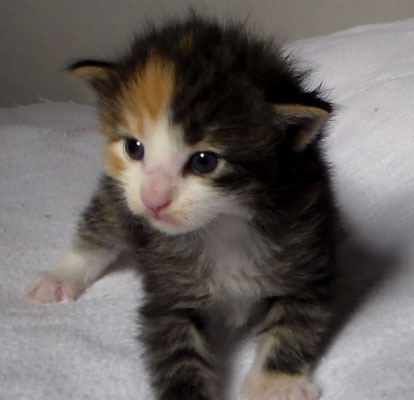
(169,225)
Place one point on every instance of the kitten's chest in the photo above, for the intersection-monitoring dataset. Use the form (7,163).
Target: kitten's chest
(235,254)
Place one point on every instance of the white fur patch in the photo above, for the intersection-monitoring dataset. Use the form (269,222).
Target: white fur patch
(71,277)
(234,251)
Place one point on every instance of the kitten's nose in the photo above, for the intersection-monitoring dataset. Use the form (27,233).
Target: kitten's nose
(157,190)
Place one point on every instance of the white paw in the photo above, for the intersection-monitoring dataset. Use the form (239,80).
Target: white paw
(50,289)
(304,390)
(271,386)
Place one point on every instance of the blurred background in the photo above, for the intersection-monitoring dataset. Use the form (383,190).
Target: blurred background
(38,38)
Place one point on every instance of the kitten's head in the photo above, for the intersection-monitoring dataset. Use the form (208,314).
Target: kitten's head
(197,118)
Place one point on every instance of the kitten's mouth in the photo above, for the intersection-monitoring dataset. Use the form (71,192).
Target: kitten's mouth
(164,218)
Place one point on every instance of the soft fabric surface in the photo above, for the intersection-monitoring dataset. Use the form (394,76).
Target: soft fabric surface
(49,163)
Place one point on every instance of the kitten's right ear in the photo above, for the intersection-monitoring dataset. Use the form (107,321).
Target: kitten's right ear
(305,122)
(97,73)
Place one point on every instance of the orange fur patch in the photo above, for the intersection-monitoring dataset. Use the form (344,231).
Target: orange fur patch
(149,93)
(89,71)
(114,163)
(133,123)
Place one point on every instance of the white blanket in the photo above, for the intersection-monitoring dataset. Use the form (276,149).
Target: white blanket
(49,163)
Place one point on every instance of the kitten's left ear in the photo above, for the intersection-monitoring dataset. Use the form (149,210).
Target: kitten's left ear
(304,122)
(97,73)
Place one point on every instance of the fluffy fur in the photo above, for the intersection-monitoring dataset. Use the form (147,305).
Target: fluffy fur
(251,242)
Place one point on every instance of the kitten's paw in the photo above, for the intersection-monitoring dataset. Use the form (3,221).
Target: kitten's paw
(280,387)
(298,391)
(49,289)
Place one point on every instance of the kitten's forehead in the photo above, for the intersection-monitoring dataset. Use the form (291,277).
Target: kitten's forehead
(147,95)
(202,108)
(147,108)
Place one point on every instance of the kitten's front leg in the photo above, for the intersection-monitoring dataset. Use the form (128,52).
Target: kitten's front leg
(180,361)
(72,276)
(290,337)
(96,244)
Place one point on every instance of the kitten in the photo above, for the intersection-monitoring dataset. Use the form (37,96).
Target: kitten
(216,183)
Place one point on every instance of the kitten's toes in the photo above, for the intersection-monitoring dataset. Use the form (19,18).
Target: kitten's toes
(299,391)
(49,289)
(271,386)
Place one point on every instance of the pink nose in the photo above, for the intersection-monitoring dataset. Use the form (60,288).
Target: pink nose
(156,192)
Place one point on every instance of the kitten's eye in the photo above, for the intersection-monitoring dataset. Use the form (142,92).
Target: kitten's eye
(203,162)
(134,148)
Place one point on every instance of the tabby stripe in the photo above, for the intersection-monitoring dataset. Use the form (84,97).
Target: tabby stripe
(184,357)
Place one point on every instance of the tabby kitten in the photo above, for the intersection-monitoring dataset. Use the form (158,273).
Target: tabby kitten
(216,184)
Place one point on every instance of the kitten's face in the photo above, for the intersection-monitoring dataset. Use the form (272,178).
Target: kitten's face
(198,128)
(165,179)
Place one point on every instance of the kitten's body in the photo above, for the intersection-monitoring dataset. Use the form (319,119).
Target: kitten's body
(257,232)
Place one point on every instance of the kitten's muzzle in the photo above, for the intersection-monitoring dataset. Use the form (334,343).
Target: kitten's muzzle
(157,191)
